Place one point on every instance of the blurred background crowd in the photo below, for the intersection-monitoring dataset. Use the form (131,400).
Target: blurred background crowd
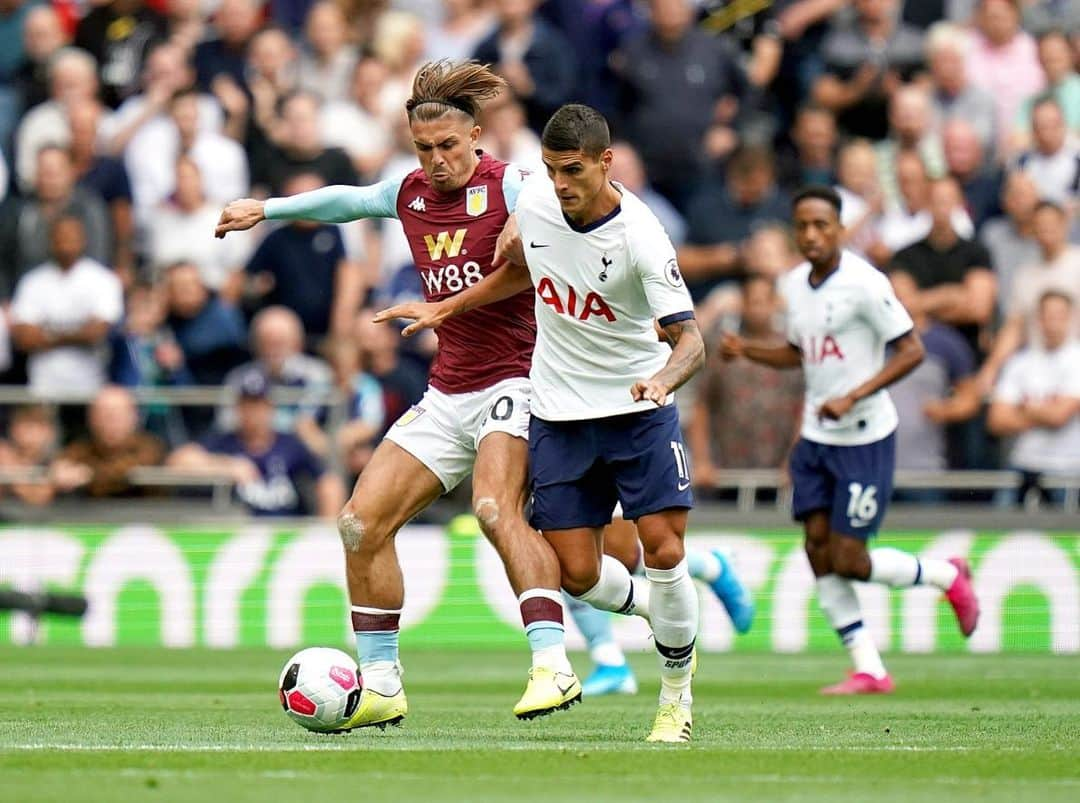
(949,127)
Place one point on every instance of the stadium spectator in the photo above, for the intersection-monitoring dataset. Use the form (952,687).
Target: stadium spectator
(979,178)
(187,27)
(43,37)
(72,79)
(270,76)
(31,444)
(1043,16)
(1003,62)
(1062,84)
(277,342)
(210,333)
(533,56)
(857,186)
(1054,161)
(100,464)
(326,63)
(954,97)
(628,169)
(298,148)
(940,391)
(1010,236)
(1037,398)
(721,217)
(12,18)
(866,61)
(62,312)
(399,39)
(910,130)
(506,134)
(179,231)
(811,159)
(357,438)
(224,56)
(956,282)
(24,227)
(464,24)
(271,469)
(119,35)
(358,124)
(1058,268)
(674,77)
(303,266)
(403,380)
(143,352)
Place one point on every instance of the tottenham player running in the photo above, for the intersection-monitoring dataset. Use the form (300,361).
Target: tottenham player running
(842,314)
(475,414)
(604,427)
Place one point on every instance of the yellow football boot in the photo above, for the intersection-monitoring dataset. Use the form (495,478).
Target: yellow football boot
(548,691)
(673,724)
(377,710)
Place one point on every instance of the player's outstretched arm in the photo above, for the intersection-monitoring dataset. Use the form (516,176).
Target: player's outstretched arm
(785,356)
(687,356)
(908,352)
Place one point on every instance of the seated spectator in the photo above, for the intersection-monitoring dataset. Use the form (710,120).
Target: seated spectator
(746,416)
(812,157)
(62,313)
(865,63)
(1043,16)
(271,469)
(955,278)
(43,38)
(1058,269)
(119,35)
(303,266)
(210,333)
(940,391)
(31,444)
(464,25)
(357,438)
(224,56)
(327,62)
(179,231)
(12,16)
(298,148)
(358,124)
(628,170)
(1062,84)
(506,135)
(953,96)
(1003,62)
(1010,237)
(270,76)
(860,195)
(721,217)
(979,179)
(1054,161)
(100,463)
(1037,398)
(277,342)
(910,130)
(403,380)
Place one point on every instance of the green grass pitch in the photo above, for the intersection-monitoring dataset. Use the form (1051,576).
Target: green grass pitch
(159,725)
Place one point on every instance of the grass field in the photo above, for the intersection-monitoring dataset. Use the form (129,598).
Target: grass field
(127,724)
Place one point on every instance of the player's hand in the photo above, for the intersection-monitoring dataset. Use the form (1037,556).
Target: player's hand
(240,216)
(650,390)
(423,316)
(509,247)
(835,409)
(731,347)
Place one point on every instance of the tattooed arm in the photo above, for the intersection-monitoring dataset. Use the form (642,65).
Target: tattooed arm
(687,356)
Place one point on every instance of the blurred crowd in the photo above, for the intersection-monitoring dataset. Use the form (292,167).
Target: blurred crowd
(951,129)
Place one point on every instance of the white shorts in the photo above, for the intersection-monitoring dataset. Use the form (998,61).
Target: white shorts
(444,430)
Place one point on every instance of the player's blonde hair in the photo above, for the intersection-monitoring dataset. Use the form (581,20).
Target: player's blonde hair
(442,86)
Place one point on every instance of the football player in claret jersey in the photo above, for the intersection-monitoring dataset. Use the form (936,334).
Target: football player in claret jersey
(475,414)
(604,426)
(842,316)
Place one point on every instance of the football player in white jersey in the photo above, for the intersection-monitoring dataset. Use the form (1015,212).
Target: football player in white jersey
(604,427)
(842,316)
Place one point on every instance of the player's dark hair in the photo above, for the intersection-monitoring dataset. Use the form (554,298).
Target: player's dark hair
(818,192)
(576,127)
(442,86)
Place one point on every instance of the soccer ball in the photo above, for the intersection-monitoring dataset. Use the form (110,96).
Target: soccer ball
(320,688)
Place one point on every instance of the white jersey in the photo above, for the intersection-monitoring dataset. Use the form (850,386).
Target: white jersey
(842,327)
(598,289)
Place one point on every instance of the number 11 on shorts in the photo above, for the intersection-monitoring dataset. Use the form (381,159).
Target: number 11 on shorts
(682,465)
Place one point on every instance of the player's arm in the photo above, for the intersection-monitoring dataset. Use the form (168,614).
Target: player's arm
(775,356)
(687,356)
(908,352)
(336,204)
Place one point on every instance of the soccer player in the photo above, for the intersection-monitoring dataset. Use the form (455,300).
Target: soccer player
(604,426)
(842,315)
(475,414)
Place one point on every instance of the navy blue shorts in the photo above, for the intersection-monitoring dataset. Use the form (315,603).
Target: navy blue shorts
(852,483)
(579,469)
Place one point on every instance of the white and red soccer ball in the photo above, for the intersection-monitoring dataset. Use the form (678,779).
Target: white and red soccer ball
(320,688)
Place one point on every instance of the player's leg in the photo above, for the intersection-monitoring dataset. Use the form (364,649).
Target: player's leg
(393,488)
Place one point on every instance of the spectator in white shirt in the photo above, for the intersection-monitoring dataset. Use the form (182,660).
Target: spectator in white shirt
(62,313)
(1037,399)
(360,124)
(327,61)
(1053,162)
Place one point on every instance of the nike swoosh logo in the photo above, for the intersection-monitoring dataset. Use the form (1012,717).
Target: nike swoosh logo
(683,486)
(562,690)
(537,245)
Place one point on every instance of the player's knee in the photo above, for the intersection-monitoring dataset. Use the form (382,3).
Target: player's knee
(488,512)
(849,562)
(358,531)
(578,577)
(665,553)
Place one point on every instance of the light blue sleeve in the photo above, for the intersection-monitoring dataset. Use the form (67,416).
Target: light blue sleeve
(513,180)
(338,204)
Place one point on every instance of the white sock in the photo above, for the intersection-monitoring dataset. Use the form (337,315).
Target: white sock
(608,654)
(383,677)
(674,608)
(838,602)
(898,569)
(616,590)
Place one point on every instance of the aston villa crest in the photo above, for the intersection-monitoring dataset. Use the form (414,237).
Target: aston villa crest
(476,201)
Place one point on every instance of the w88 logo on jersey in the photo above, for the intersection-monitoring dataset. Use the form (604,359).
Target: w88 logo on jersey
(451,278)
